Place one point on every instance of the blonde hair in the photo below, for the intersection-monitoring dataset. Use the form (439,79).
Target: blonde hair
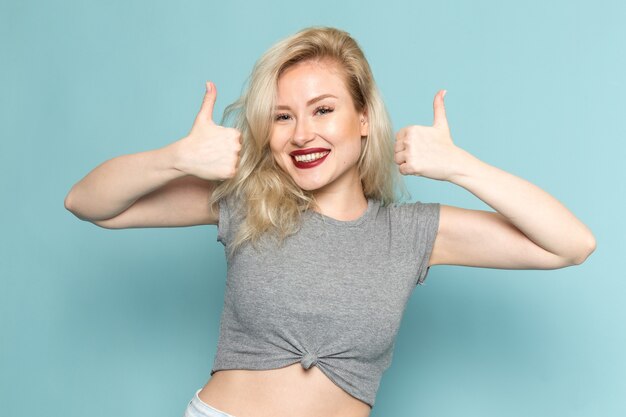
(273,202)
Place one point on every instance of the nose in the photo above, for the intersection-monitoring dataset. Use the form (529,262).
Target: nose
(303,133)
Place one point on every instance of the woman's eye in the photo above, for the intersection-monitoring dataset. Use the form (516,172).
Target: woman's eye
(324,110)
(281,117)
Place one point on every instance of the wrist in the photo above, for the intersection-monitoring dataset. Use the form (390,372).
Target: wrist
(169,160)
(465,166)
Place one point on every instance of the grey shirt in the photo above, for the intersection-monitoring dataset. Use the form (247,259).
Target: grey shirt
(332,295)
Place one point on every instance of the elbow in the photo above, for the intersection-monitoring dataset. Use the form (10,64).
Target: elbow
(69,204)
(587,250)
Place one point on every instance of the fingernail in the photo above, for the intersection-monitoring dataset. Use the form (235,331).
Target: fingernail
(444,93)
(208,86)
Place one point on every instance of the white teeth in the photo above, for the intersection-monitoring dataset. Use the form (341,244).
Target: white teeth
(310,157)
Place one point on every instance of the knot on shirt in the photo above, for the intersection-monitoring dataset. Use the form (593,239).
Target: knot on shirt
(308,360)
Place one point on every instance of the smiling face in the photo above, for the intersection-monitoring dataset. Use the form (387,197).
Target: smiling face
(316,133)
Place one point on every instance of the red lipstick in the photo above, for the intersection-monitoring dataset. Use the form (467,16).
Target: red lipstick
(308,164)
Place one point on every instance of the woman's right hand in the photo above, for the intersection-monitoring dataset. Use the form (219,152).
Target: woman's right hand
(209,151)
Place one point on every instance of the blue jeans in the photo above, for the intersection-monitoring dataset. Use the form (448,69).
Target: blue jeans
(198,408)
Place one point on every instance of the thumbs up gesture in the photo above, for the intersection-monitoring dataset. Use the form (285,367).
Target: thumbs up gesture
(209,151)
(428,151)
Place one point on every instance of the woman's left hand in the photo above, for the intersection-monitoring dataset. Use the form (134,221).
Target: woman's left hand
(428,151)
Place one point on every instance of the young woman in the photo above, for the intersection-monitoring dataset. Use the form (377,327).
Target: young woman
(321,260)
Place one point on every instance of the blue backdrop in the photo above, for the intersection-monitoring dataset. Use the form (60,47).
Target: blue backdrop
(125,323)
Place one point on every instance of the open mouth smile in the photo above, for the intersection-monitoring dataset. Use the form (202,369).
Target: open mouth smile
(309,158)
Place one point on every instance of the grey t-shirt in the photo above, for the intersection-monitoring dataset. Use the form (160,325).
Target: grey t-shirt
(332,295)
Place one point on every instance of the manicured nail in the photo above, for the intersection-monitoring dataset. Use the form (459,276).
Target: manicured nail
(444,93)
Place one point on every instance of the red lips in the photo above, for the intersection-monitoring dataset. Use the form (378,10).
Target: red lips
(311,164)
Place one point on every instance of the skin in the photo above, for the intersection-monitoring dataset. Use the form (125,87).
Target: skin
(529,228)
(332,123)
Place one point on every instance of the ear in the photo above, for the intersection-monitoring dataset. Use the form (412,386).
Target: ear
(364,123)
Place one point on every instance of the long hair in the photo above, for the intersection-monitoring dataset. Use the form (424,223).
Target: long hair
(273,203)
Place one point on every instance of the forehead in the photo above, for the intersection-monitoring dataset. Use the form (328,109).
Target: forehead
(311,77)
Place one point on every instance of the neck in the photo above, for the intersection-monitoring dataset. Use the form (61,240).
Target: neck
(344,206)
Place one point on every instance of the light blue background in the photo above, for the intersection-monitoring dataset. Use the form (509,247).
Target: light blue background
(124,323)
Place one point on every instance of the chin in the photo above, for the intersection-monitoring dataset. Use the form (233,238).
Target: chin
(309,185)
(309,181)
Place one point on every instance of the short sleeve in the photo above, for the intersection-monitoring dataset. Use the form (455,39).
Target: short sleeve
(223,222)
(428,226)
(230,217)
(417,225)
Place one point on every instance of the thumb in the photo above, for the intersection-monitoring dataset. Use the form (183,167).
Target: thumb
(439,109)
(206,110)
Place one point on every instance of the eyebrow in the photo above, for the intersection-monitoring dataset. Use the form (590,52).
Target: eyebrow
(308,103)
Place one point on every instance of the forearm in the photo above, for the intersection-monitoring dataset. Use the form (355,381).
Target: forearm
(116,184)
(541,217)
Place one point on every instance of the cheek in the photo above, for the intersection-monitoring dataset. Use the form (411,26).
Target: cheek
(275,144)
(277,158)
(337,129)
(341,132)
(351,140)
(277,150)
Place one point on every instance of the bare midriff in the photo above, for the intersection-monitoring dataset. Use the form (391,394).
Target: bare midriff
(291,391)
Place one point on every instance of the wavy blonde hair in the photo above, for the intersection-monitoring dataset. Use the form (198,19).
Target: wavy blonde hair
(273,202)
